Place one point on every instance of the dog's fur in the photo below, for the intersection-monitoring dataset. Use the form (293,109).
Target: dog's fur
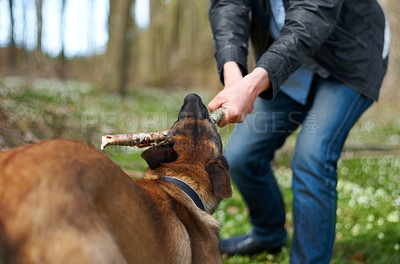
(62,201)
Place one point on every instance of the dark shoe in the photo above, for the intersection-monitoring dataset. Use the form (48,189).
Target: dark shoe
(246,244)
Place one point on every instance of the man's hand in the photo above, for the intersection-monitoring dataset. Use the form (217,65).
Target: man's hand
(239,93)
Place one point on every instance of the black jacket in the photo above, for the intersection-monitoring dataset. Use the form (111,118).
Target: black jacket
(344,37)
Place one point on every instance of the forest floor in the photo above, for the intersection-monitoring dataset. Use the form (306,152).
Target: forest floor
(368,215)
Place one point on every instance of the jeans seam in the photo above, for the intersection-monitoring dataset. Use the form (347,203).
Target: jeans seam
(348,115)
(329,148)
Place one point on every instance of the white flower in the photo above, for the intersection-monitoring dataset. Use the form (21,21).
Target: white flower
(397,247)
(393,217)
(370,218)
(344,171)
(355,230)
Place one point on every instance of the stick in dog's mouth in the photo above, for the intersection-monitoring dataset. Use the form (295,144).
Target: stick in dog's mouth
(142,140)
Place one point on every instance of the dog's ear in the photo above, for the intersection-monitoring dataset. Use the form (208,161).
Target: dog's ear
(218,173)
(162,153)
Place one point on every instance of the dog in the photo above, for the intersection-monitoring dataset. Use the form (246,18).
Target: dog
(63,201)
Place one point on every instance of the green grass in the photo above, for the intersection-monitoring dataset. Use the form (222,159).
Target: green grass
(368,229)
(368,216)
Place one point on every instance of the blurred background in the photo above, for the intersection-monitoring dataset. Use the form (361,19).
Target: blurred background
(116,43)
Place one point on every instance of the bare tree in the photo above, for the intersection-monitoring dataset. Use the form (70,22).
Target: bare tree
(39,5)
(119,44)
(62,32)
(158,67)
(12,54)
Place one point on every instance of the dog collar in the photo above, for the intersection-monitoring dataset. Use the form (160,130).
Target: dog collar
(192,194)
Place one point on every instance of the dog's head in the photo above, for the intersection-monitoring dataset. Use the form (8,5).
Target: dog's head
(192,151)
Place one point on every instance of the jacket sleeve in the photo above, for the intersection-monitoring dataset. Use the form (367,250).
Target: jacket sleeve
(308,25)
(231,27)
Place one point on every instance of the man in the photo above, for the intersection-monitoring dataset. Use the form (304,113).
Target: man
(320,63)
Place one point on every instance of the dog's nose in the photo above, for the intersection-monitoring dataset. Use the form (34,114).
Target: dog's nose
(193,107)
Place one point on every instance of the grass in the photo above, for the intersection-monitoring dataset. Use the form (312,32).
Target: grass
(368,214)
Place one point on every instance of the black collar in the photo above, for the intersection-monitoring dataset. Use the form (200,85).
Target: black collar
(192,194)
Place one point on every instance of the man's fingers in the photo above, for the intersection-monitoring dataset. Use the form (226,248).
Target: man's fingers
(226,119)
(235,110)
(215,103)
(224,122)
(231,116)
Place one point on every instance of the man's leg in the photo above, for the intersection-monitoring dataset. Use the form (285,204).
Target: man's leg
(249,153)
(335,109)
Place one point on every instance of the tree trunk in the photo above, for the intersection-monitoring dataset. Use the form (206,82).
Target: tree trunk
(118,48)
(12,52)
(62,58)
(158,66)
(39,4)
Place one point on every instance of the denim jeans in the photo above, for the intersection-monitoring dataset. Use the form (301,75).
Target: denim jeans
(326,119)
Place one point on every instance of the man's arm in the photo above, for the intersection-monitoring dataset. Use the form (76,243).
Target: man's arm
(231,28)
(230,25)
(308,25)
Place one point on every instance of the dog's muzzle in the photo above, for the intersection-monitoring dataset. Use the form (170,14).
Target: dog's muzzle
(193,107)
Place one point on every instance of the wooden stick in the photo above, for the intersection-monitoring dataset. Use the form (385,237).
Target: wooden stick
(217,115)
(142,140)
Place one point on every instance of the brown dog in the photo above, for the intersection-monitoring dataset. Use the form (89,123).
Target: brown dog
(63,201)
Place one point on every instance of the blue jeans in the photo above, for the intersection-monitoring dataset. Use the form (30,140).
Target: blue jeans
(326,119)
